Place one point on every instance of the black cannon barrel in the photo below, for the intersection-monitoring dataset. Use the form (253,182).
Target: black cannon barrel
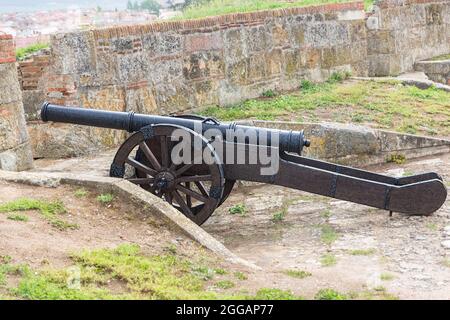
(290,141)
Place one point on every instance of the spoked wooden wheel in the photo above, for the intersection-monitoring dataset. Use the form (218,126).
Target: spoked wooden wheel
(194,186)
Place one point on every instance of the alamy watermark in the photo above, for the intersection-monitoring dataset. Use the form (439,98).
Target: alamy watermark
(234,146)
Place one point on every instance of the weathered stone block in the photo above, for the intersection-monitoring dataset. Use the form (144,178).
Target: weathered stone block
(380,42)
(434,14)
(17,159)
(73,53)
(274,60)
(257,67)
(50,140)
(9,85)
(298,34)
(110,98)
(203,64)
(133,67)
(280,35)
(165,71)
(291,62)
(237,73)
(163,43)
(204,42)
(32,102)
(258,39)
(206,93)
(235,46)
(141,99)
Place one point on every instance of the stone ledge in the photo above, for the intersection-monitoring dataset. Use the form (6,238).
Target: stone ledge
(137,196)
(356,145)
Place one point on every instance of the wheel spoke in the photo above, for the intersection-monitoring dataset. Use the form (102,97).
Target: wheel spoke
(192,193)
(150,156)
(183,169)
(132,162)
(188,197)
(168,197)
(201,187)
(141,180)
(182,204)
(164,152)
(207,177)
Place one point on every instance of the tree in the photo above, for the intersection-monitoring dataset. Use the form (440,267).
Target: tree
(151,5)
(135,6)
(129,5)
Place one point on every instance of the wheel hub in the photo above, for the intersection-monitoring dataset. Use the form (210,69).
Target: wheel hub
(164,181)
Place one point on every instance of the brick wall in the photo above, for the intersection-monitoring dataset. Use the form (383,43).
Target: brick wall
(7,49)
(402,32)
(15,151)
(31,79)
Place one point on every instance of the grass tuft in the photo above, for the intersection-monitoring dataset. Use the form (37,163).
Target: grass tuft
(362,252)
(276,294)
(329,294)
(239,209)
(328,260)
(49,210)
(328,234)
(22,53)
(300,274)
(17,217)
(105,198)
(81,193)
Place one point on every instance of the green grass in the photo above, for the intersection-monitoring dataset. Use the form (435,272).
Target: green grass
(279,215)
(329,294)
(328,234)
(206,8)
(300,274)
(363,252)
(135,275)
(385,105)
(17,217)
(328,260)
(441,57)
(378,293)
(269,94)
(387,277)
(22,53)
(105,198)
(396,158)
(50,210)
(240,275)
(81,193)
(276,294)
(239,209)
(224,284)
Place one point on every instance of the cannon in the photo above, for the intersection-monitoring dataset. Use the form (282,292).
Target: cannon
(193,162)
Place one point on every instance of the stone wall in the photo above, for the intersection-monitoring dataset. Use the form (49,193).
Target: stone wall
(170,67)
(15,151)
(402,32)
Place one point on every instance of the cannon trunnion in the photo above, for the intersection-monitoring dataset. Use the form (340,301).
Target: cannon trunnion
(193,162)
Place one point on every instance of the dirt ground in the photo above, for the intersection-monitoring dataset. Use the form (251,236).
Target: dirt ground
(401,255)
(38,243)
(348,247)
